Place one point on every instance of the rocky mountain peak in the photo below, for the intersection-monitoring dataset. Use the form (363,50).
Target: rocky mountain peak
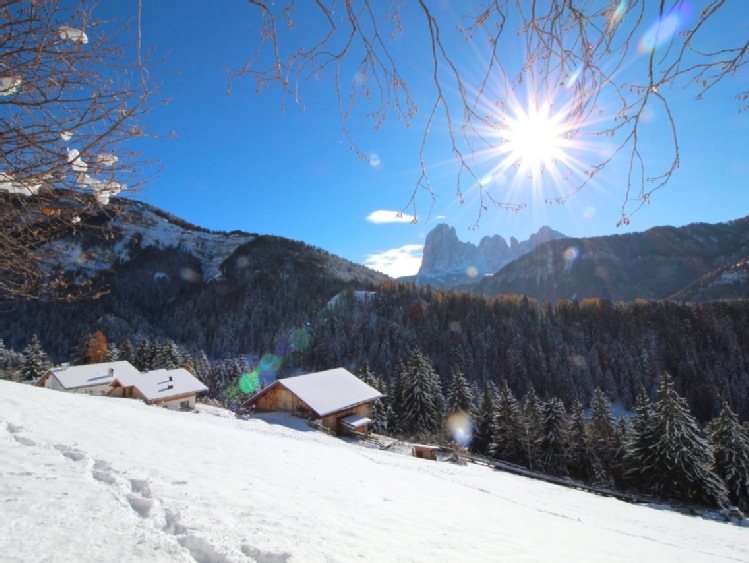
(446,255)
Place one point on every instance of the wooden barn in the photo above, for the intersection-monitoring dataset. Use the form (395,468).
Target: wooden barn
(336,398)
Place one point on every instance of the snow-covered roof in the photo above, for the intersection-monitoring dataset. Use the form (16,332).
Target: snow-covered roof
(74,377)
(329,391)
(162,384)
(355,421)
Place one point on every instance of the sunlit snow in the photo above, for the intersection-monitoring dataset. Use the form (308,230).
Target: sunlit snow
(68,33)
(100,479)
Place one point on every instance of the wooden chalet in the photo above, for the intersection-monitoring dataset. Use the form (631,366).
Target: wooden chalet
(336,398)
(174,389)
(90,379)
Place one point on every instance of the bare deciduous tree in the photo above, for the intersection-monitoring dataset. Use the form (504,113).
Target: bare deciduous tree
(71,92)
(586,69)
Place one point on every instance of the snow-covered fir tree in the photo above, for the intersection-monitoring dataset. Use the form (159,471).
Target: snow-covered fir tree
(166,355)
(580,455)
(553,445)
(126,352)
(508,441)
(487,411)
(145,355)
(34,364)
(601,430)
(379,407)
(730,445)
(533,427)
(674,461)
(460,395)
(423,402)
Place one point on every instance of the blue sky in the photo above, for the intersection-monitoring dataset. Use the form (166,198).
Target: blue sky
(250,161)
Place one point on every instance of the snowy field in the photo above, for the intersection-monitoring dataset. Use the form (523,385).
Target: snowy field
(101,479)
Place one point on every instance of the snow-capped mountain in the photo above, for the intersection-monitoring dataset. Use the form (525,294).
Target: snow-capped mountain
(449,262)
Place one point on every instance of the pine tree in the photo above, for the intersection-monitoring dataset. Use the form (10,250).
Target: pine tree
(601,430)
(126,352)
(730,445)
(144,357)
(484,432)
(34,364)
(533,427)
(396,420)
(580,454)
(508,441)
(677,462)
(166,356)
(2,359)
(554,440)
(460,395)
(423,402)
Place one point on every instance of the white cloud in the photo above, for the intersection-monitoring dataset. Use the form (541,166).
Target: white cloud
(397,262)
(383,216)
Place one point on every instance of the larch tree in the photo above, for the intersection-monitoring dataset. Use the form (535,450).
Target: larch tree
(72,92)
(579,73)
(730,444)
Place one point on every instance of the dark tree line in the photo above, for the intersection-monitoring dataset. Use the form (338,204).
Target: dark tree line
(660,451)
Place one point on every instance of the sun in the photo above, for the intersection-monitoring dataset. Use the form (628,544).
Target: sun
(534,138)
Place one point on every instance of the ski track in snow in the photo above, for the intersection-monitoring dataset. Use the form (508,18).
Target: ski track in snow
(100,479)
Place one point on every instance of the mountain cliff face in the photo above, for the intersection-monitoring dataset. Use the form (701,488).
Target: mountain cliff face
(656,264)
(448,262)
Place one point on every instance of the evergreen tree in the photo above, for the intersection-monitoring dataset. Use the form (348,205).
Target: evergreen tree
(423,402)
(731,449)
(2,359)
(460,395)
(487,412)
(34,364)
(677,462)
(533,427)
(580,454)
(202,366)
(145,355)
(601,430)
(395,422)
(126,352)
(508,443)
(166,356)
(554,440)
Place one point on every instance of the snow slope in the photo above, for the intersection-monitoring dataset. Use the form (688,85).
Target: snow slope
(100,479)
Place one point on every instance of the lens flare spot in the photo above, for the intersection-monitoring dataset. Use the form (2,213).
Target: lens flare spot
(589,212)
(374,160)
(460,427)
(249,382)
(455,326)
(571,254)
(189,275)
(573,77)
(618,14)
(242,262)
(299,340)
(472,271)
(664,29)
